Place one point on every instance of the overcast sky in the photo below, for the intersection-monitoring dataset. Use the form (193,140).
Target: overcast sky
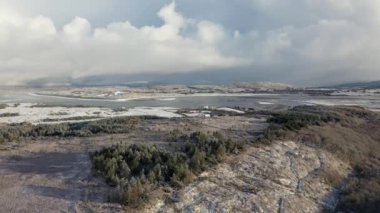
(309,42)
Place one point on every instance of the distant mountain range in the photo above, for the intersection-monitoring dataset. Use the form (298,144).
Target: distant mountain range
(359,85)
(201,78)
(221,77)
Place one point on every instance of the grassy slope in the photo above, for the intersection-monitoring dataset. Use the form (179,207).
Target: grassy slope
(357,142)
(353,135)
(350,133)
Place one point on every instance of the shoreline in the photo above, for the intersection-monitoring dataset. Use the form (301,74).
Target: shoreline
(158,97)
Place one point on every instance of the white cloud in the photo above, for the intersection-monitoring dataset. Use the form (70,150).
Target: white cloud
(298,41)
(317,42)
(33,48)
(77,29)
(210,32)
(171,17)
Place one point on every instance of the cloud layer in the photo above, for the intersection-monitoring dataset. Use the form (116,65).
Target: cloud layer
(307,43)
(32,47)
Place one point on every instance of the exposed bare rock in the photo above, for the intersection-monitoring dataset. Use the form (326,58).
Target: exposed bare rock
(283,177)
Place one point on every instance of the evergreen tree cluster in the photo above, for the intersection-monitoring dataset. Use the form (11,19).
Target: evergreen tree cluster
(136,170)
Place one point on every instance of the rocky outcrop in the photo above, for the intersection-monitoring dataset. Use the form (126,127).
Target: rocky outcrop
(283,177)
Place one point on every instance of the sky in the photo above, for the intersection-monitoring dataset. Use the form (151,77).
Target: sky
(307,43)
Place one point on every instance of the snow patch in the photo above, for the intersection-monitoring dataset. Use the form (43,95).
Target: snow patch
(265,103)
(226,109)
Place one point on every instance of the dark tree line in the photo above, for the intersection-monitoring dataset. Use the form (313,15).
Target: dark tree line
(17,132)
(8,114)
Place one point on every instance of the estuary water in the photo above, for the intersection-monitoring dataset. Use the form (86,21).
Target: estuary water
(256,101)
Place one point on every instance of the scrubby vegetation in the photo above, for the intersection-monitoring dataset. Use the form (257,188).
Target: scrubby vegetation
(176,135)
(293,120)
(122,109)
(301,117)
(76,118)
(3,115)
(16,132)
(3,106)
(361,193)
(58,113)
(352,136)
(54,105)
(137,170)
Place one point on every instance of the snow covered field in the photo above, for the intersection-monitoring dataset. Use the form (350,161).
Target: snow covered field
(36,114)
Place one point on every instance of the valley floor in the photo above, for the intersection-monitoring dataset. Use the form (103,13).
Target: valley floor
(303,174)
